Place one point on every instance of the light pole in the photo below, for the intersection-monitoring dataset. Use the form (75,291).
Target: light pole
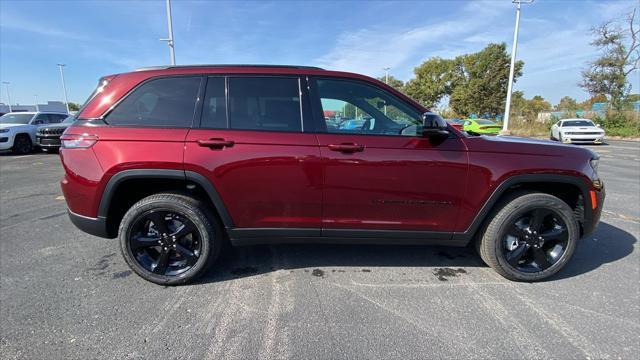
(64,87)
(36,99)
(505,122)
(169,41)
(6,85)
(386,81)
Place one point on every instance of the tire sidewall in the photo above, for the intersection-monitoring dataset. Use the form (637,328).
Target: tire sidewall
(198,218)
(519,207)
(18,145)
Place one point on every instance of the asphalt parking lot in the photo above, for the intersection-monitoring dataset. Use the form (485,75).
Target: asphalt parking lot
(65,294)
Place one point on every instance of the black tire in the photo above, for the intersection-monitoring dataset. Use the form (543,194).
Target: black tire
(202,242)
(516,257)
(22,144)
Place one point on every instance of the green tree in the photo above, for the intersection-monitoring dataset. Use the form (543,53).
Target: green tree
(481,80)
(393,82)
(74,106)
(567,103)
(620,55)
(433,81)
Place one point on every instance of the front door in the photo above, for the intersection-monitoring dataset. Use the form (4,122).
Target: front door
(252,148)
(379,172)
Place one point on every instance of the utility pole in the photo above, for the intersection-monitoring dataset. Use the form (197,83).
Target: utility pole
(169,40)
(64,87)
(505,122)
(36,99)
(6,85)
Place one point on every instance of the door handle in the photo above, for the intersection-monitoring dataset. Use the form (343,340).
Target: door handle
(346,148)
(216,143)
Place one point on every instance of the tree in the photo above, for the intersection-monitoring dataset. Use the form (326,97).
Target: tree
(586,105)
(433,81)
(481,81)
(528,110)
(567,103)
(393,82)
(74,106)
(620,56)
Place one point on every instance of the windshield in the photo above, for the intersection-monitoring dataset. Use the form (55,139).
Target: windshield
(15,118)
(69,119)
(577,123)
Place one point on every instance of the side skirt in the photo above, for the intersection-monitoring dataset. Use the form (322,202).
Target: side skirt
(243,237)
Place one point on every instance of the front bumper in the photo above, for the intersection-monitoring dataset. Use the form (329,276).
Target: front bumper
(591,223)
(94,226)
(48,141)
(588,138)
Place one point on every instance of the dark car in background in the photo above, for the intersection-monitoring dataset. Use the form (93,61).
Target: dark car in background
(48,137)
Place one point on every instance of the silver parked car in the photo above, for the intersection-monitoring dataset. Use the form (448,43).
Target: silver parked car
(577,131)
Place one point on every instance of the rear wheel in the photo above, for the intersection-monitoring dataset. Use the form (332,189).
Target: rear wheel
(530,238)
(169,239)
(22,144)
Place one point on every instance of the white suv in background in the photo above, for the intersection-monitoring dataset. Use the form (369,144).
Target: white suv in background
(18,129)
(577,131)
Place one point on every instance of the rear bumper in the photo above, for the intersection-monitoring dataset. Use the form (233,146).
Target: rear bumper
(94,226)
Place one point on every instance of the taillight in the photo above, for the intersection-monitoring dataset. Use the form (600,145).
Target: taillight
(78,141)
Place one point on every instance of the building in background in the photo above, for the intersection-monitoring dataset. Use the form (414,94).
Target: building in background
(53,106)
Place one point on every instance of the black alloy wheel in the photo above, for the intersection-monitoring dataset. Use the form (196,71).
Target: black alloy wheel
(165,242)
(170,238)
(22,144)
(535,241)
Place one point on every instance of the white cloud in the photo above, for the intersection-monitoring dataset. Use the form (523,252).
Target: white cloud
(369,50)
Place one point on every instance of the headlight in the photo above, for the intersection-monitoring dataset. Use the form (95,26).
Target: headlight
(594,164)
(4,131)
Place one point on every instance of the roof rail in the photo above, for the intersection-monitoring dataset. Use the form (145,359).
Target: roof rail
(227,65)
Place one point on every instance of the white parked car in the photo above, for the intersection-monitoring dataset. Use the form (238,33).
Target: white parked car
(18,129)
(577,131)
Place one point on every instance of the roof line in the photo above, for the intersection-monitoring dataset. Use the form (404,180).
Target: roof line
(227,65)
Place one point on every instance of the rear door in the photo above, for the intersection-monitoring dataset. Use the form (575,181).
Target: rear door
(380,173)
(252,147)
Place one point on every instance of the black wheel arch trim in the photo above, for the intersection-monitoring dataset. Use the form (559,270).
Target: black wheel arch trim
(186,176)
(580,182)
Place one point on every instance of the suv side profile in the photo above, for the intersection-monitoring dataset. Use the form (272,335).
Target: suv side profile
(18,129)
(176,160)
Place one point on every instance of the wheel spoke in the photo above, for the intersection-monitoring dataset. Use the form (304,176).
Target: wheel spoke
(138,242)
(184,230)
(160,267)
(516,231)
(516,254)
(540,257)
(159,222)
(188,254)
(554,234)
(537,219)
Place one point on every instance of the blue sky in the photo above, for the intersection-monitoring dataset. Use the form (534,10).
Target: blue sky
(96,38)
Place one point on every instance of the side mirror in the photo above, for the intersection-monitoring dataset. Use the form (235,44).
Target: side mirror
(597,125)
(434,126)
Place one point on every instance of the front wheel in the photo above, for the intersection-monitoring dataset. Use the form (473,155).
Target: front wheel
(169,239)
(530,238)
(22,144)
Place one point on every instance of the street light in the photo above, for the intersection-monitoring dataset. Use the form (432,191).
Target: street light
(64,87)
(6,85)
(386,75)
(505,122)
(169,41)
(36,98)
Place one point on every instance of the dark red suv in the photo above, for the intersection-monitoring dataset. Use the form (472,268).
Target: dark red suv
(177,160)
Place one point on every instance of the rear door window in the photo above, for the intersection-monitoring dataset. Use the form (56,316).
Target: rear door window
(265,103)
(165,102)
